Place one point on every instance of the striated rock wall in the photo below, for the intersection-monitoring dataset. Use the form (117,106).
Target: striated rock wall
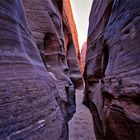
(112,71)
(37,96)
(72,45)
(69,15)
(53,28)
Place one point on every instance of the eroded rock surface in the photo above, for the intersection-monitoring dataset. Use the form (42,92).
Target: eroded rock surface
(37,96)
(54,33)
(112,71)
(72,46)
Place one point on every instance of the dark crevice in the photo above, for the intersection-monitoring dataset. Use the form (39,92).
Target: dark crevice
(105,58)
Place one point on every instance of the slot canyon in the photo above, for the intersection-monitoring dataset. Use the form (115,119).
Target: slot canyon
(52,90)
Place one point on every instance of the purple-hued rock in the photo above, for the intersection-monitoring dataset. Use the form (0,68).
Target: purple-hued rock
(112,70)
(37,96)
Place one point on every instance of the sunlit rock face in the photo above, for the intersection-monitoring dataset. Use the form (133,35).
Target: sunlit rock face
(36,94)
(69,19)
(112,71)
(72,46)
(83,55)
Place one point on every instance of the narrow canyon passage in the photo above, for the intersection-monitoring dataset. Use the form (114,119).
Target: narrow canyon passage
(81,125)
(41,67)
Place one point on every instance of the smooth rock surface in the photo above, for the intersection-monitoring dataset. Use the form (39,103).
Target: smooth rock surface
(72,45)
(55,46)
(54,33)
(29,101)
(37,96)
(112,71)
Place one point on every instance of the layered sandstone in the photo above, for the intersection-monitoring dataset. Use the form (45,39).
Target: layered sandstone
(37,96)
(112,71)
(56,46)
(72,45)
(68,13)
(56,28)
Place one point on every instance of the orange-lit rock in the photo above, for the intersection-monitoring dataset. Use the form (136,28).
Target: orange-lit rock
(83,56)
(68,13)
(72,45)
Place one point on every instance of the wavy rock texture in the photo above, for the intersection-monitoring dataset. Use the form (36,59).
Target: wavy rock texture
(112,71)
(54,34)
(72,46)
(56,47)
(69,20)
(37,97)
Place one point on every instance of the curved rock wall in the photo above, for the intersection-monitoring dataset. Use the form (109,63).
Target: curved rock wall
(68,15)
(37,96)
(53,33)
(72,46)
(112,71)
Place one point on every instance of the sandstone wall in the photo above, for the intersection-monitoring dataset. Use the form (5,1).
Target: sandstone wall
(55,29)
(72,45)
(83,56)
(112,71)
(37,96)
(69,14)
